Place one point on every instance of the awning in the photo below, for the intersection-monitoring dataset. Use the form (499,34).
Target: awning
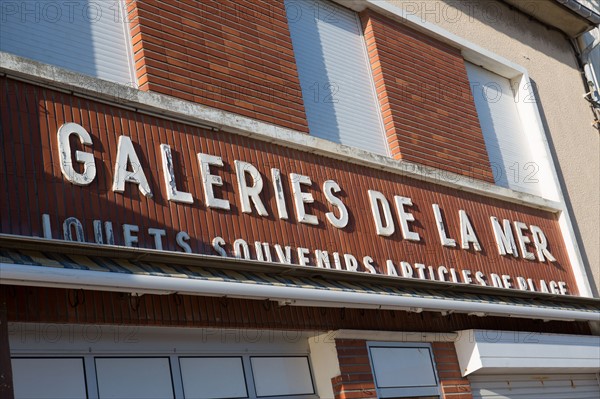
(138,271)
(509,352)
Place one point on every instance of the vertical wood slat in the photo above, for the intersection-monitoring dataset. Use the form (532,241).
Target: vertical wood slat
(105,123)
(101,308)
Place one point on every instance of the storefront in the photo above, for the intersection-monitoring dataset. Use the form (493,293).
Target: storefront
(193,238)
(298,274)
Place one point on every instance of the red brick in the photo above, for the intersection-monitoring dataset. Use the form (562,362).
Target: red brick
(211,44)
(425,97)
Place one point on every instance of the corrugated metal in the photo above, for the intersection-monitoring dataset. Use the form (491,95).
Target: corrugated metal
(85,36)
(548,386)
(31,184)
(508,147)
(339,96)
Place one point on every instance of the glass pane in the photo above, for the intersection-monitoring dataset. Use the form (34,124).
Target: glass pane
(213,377)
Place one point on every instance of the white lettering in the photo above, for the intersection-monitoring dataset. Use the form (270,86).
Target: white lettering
(84,158)
(406,217)
(523,240)
(330,187)
(439,222)
(218,243)
(467,233)
(173,194)
(505,239)
(368,264)
(246,192)
(128,236)
(376,198)
(279,196)
(541,244)
(303,256)
(209,181)
(158,234)
(126,156)
(301,198)
(181,239)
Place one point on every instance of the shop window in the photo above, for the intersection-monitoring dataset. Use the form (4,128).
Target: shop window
(403,370)
(335,76)
(90,37)
(49,378)
(508,144)
(134,378)
(282,376)
(213,377)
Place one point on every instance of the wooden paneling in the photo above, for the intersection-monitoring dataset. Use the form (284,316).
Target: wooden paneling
(53,305)
(32,184)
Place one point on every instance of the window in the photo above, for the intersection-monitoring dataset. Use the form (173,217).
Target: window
(49,378)
(213,377)
(282,376)
(90,37)
(335,76)
(508,144)
(142,377)
(403,370)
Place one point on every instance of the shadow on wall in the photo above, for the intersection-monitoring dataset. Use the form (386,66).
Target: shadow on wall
(559,173)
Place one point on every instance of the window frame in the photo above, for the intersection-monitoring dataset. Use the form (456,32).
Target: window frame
(405,392)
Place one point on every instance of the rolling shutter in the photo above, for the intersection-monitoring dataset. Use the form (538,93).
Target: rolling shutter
(90,37)
(506,141)
(548,386)
(336,81)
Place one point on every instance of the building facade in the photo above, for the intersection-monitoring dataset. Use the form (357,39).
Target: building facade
(299,199)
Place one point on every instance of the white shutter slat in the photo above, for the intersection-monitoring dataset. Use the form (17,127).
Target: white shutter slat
(330,50)
(84,37)
(505,139)
(549,386)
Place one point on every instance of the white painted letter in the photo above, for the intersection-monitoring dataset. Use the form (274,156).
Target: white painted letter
(523,240)
(406,217)
(68,226)
(279,196)
(126,156)
(439,222)
(130,238)
(467,233)
(541,244)
(209,180)
(169,176)
(217,244)
(158,234)
(301,198)
(505,239)
(181,239)
(85,158)
(376,198)
(330,187)
(248,193)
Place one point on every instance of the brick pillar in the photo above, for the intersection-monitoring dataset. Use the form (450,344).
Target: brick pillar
(425,98)
(356,378)
(453,384)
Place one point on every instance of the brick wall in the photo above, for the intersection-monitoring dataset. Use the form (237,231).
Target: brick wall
(425,97)
(453,385)
(232,55)
(356,379)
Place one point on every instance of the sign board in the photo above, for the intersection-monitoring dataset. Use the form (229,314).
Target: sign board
(81,170)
